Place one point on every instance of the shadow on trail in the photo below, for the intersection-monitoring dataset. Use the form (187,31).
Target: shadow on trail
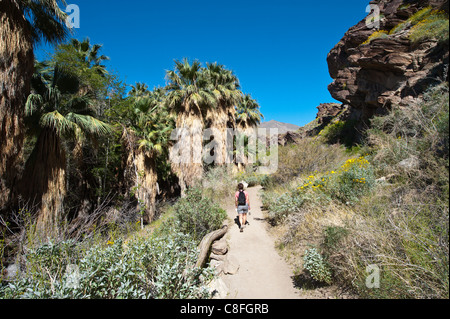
(303,281)
(236,221)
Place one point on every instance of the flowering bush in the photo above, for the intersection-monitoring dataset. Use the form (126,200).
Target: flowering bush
(426,24)
(352,180)
(434,25)
(382,34)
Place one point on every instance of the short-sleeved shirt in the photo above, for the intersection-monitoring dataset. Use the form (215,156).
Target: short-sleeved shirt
(236,196)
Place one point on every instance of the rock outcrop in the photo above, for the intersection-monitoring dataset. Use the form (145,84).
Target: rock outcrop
(376,68)
(371,76)
(327,111)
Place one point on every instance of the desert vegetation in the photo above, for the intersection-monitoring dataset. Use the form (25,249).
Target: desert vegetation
(382,203)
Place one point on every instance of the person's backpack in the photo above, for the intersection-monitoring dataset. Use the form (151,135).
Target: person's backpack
(241,199)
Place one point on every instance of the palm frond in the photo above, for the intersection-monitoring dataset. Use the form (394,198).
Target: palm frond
(89,124)
(47,20)
(32,104)
(58,122)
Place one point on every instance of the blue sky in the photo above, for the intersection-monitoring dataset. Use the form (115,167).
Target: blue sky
(277,49)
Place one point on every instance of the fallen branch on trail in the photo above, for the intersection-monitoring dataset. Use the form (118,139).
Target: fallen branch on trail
(206,243)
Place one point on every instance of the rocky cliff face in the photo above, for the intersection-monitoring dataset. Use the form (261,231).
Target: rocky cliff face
(370,75)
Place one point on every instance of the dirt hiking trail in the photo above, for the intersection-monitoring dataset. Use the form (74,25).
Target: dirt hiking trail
(262,274)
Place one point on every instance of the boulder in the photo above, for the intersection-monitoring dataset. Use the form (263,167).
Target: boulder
(220,247)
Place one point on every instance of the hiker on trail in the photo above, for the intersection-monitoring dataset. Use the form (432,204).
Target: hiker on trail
(242,202)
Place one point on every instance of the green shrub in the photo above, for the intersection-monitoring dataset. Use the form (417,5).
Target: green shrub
(281,205)
(154,267)
(316,266)
(402,226)
(197,215)
(332,237)
(343,132)
(252,178)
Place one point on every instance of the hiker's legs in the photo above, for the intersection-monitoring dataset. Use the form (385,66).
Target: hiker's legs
(244,219)
(241,220)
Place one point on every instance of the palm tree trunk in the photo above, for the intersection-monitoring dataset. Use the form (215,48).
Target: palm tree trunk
(222,119)
(16,70)
(147,189)
(44,181)
(188,165)
(243,159)
(140,176)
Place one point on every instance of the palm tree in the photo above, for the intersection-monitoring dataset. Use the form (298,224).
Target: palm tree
(54,112)
(139,90)
(149,127)
(83,59)
(89,55)
(225,87)
(23,23)
(188,97)
(248,117)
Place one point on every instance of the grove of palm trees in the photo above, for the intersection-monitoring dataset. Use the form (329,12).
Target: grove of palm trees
(78,144)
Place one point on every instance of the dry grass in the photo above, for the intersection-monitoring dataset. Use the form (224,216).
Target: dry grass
(399,238)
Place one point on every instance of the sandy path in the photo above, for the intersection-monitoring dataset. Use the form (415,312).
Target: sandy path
(262,274)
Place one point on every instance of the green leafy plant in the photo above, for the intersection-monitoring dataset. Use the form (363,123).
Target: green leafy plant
(197,214)
(316,266)
(281,205)
(146,267)
(340,132)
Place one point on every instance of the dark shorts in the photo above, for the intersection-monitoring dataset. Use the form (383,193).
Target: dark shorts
(242,209)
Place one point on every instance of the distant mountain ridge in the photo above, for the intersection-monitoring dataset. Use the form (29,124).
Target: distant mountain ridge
(282,127)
